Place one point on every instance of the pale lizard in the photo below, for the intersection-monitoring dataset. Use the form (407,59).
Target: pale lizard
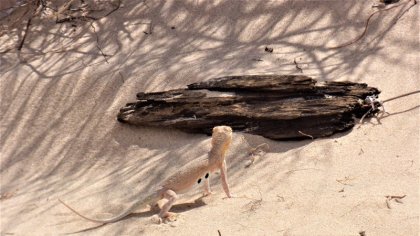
(183,179)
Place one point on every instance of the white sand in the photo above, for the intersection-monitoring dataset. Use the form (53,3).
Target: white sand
(60,137)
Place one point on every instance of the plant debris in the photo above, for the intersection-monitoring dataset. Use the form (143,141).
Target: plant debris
(269,50)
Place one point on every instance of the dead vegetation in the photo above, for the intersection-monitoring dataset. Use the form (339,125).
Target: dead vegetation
(18,16)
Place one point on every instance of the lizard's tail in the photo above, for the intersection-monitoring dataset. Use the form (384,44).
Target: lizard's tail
(133,207)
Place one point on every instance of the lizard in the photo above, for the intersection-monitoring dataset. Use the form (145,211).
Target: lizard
(183,179)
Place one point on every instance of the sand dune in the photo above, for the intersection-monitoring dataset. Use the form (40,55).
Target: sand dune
(61,93)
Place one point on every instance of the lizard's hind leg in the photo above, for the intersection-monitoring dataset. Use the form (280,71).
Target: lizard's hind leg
(164,212)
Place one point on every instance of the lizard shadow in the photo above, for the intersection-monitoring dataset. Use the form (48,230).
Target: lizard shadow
(177,208)
(187,206)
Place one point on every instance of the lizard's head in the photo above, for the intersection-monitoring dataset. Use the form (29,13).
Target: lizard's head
(222,135)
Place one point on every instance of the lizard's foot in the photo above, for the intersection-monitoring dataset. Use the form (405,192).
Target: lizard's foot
(156,219)
(230,196)
(170,217)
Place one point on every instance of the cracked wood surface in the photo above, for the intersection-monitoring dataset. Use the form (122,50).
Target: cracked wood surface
(282,107)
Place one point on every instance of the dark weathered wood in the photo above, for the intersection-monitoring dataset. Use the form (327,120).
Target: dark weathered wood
(275,106)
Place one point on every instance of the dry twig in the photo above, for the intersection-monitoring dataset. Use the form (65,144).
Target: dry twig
(368,21)
(97,43)
(297,66)
(345,181)
(25,33)
(363,117)
(28,24)
(307,135)
(389,198)
(71,18)
(254,204)
(256,152)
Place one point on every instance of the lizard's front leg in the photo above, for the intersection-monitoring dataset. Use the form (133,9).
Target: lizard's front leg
(224,180)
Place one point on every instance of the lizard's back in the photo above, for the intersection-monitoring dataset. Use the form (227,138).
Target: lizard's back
(187,176)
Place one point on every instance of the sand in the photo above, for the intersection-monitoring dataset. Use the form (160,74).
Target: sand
(60,138)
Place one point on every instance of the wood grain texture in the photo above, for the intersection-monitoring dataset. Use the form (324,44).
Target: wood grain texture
(282,107)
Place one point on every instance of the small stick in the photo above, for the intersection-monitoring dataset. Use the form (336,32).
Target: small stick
(255,204)
(255,150)
(388,205)
(252,160)
(256,153)
(366,27)
(361,120)
(402,14)
(344,181)
(307,135)
(97,43)
(24,34)
(113,10)
(398,200)
(218,231)
(395,198)
(297,66)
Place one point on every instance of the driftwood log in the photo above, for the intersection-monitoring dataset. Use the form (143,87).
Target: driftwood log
(282,107)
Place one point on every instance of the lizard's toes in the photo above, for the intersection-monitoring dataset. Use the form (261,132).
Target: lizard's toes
(230,196)
(156,219)
(170,216)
